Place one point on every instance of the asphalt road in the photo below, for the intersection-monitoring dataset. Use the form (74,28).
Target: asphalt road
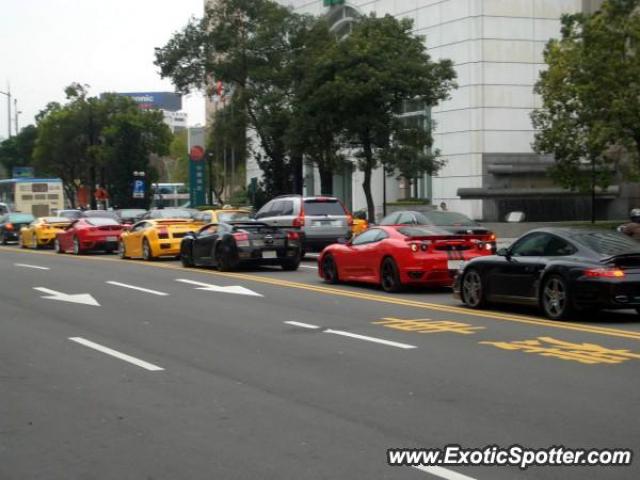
(289,378)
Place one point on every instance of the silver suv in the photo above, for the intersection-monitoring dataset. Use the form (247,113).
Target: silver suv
(321,221)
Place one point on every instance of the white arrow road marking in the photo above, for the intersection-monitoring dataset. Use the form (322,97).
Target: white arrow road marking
(236,289)
(140,289)
(35,267)
(444,473)
(302,325)
(115,353)
(83,298)
(369,339)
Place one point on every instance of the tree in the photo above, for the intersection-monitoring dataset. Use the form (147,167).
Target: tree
(17,151)
(178,151)
(366,81)
(590,116)
(93,141)
(247,45)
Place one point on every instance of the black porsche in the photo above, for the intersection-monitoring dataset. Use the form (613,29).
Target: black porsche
(561,270)
(228,245)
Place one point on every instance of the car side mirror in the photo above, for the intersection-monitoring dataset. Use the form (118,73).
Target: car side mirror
(503,252)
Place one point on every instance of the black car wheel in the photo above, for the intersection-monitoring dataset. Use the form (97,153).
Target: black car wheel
(473,289)
(5,240)
(223,258)
(291,264)
(329,270)
(147,254)
(554,298)
(21,243)
(390,277)
(186,260)
(34,242)
(56,246)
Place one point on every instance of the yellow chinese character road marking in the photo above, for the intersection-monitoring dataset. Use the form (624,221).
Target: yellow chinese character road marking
(425,325)
(587,353)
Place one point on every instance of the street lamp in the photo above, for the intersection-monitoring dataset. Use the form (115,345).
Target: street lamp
(8,95)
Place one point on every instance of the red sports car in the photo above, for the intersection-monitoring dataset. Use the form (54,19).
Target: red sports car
(84,234)
(394,256)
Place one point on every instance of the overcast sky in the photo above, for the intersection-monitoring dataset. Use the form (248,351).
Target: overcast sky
(47,44)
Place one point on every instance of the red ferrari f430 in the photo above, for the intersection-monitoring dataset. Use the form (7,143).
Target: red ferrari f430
(86,234)
(395,256)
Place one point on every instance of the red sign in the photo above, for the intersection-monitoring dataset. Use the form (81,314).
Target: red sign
(196,153)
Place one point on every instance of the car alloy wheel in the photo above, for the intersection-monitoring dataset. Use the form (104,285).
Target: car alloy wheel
(223,261)
(390,279)
(76,246)
(5,240)
(146,250)
(472,289)
(34,242)
(555,298)
(329,270)
(21,242)
(187,260)
(121,250)
(56,246)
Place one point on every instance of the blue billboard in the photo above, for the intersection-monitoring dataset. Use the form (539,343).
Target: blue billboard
(169,101)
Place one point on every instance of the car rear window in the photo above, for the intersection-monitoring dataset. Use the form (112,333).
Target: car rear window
(323,207)
(100,221)
(422,232)
(608,243)
(171,213)
(447,219)
(21,218)
(233,216)
(98,214)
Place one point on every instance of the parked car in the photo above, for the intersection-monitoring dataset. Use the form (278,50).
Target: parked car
(71,214)
(559,270)
(227,245)
(320,221)
(85,234)
(395,256)
(169,213)
(99,214)
(4,208)
(221,215)
(42,232)
(129,216)
(453,222)
(10,225)
(153,238)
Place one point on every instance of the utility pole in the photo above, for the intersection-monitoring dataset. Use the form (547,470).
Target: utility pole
(16,112)
(8,95)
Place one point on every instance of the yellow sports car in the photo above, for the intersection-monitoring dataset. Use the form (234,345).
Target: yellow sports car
(226,214)
(42,231)
(153,238)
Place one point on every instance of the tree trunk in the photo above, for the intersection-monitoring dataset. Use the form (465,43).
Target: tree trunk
(366,184)
(326,180)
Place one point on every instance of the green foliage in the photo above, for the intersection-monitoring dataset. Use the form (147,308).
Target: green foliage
(98,141)
(17,151)
(365,81)
(590,117)
(178,152)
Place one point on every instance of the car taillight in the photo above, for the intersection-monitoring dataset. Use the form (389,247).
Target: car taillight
(293,236)
(242,239)
(163,233)
(604,273)
(299,220)
(8,226)
(492,237)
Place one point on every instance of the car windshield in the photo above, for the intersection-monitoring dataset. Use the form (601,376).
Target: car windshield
(20,218)
(70,214)
(171,213)
(422,232)
(323,207)
(100,221)
(608,243)
(99,214)
(233,216)
(131,213)
(446,219)
(56,220)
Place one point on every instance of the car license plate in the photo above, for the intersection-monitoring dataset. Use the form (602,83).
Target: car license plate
(269,254)
(112,239)
(454,264)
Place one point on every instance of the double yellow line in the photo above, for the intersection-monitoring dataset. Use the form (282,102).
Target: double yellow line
(363,295)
